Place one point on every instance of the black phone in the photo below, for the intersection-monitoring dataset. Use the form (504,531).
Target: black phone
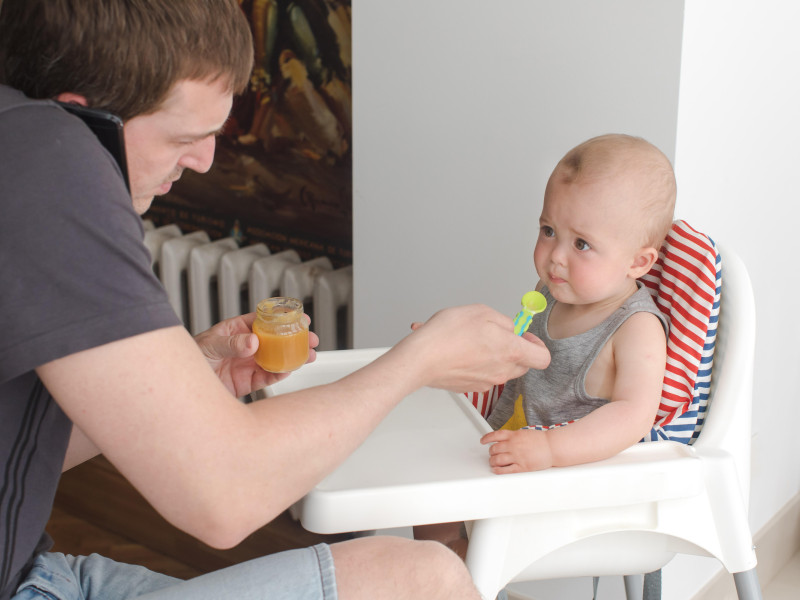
(108,129)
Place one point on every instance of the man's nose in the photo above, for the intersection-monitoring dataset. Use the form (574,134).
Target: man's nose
(200,156)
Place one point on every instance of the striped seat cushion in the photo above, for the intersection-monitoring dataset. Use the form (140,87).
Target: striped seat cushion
(685,283)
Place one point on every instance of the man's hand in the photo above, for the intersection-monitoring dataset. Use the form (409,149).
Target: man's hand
(471,348)
(229,347)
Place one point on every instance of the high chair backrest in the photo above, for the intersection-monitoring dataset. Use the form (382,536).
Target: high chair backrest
(729,422)
(685,283)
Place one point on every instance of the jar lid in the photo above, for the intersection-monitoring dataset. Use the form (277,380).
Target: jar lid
(280,308)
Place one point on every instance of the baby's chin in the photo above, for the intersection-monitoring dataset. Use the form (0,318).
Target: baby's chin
(558,290)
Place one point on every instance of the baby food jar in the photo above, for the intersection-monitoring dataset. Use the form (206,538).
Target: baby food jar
(282,335)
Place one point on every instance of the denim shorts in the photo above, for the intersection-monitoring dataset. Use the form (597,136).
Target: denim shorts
(305,574)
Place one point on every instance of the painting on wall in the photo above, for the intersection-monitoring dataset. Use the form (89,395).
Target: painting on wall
(282,173)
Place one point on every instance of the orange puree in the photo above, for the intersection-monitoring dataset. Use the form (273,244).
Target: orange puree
(281,353)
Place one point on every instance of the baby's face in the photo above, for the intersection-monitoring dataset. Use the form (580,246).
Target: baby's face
(588,241)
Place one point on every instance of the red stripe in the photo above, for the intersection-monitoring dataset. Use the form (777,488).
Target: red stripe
(670,306)
(677,281)
(695,294)
(677,380)
(671,386)
(671,413)
(687,237)
(688,349)
(695,297)
(682,374)
(673,398)
(706,290)
(705,268)
(686,232)
(705,271)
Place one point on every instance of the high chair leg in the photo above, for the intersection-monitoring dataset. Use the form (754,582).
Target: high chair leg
(747,585)
(633,587)
(652,586)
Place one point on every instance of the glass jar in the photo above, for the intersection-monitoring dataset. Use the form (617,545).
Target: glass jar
(282,335)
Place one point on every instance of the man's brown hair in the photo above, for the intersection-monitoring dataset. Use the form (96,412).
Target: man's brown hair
(123,56)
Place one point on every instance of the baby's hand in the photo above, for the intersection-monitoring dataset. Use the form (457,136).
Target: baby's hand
(518,451)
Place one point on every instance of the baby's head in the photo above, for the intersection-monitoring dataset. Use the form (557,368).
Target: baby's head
(607,208)
(640,175)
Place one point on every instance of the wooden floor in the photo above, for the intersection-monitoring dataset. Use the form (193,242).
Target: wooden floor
(96,510)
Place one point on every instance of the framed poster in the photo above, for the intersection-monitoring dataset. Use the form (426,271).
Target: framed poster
(282,173)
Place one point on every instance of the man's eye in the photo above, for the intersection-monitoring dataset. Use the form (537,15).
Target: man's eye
(581,244)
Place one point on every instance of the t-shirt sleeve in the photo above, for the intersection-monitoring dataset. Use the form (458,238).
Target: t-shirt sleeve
(75,271)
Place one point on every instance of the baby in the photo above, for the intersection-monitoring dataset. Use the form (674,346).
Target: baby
(608,206)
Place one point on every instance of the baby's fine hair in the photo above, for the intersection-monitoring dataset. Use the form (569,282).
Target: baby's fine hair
(619,155)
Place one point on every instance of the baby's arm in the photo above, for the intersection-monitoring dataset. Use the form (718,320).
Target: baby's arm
(639,351)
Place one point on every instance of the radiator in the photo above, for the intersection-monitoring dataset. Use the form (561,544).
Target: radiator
(207,281)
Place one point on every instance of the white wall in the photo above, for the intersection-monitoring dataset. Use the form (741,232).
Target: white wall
(737,165)
(462,108)
(737,161)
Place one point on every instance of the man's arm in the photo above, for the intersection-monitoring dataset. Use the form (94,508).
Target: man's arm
(80,449)
(218,468)
(228,347)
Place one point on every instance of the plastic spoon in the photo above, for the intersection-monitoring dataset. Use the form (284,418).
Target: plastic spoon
(532,303)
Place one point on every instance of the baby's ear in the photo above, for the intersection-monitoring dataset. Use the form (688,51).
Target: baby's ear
(643,261)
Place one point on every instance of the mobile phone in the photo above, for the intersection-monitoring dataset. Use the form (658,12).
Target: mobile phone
(108,129)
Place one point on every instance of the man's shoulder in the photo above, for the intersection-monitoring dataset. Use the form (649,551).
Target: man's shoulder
(21,115)
(40,141)
(12,99)
(9,97)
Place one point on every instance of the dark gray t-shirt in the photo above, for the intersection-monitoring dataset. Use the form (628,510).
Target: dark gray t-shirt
(75,275)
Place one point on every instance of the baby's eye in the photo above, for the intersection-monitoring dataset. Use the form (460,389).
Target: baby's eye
(547,231)
(582,245)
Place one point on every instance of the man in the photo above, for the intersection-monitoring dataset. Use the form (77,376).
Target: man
(92,359)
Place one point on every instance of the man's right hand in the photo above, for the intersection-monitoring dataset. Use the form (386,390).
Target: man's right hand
(471,348)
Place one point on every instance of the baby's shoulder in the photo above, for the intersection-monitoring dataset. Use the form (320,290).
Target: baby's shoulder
(640,331)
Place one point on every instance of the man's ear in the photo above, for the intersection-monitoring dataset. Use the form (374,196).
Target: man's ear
(71,98)
(643,261)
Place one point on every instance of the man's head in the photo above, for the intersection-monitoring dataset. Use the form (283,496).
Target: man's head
(168,68)
(180,135)
(122,56)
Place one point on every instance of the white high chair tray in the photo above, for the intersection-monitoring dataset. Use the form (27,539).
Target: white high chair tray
(424,464)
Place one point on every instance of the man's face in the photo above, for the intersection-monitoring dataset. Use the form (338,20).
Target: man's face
(179,135)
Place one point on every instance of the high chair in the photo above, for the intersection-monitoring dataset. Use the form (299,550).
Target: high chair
(629,514)
(632,513)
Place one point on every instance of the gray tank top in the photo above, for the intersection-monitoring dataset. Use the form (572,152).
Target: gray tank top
(557,394)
